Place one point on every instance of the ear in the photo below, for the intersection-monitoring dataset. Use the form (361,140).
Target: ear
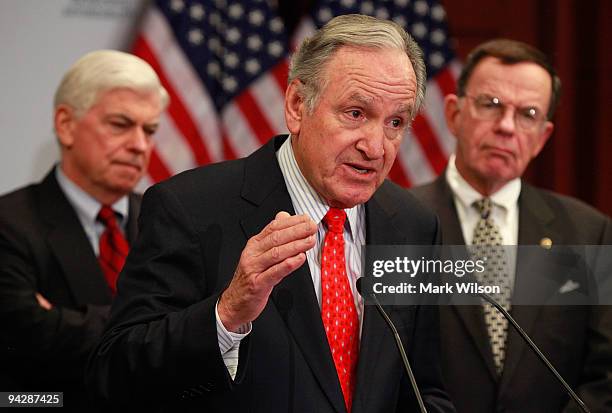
(294,107)
(451,112)
(542,138)
(63,121)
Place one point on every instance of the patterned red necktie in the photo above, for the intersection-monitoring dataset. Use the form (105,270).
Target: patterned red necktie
(113,247)
(337,305)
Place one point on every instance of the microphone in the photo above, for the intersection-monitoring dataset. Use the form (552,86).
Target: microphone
(399,344)
(535,349)
(284,303)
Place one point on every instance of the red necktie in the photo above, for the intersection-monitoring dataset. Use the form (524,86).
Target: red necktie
(113,247)
(337,305)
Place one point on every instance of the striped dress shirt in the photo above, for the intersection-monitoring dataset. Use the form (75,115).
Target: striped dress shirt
(306,201)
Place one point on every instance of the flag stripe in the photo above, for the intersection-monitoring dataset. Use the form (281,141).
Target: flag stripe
(177,108)
(171,148)
(180,72)
(253,115)
(157,170)
(398,175)
(240,138)
(429,143)
(446,82)
(280,72)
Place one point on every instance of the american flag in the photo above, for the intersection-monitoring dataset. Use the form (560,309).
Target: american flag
(225,64)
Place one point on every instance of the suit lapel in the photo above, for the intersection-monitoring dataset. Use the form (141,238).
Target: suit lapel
(71,247)
(535,223)
(380,230)
(472,317)
(442,198)
(265,187)
(132,224)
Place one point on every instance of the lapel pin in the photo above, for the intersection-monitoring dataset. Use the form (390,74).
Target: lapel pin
(546,243)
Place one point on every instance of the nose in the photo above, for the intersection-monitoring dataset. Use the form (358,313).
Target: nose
(371,144)
(139,140)
(507,122)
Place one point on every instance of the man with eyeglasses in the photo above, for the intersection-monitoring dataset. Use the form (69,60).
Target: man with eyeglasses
(501,117)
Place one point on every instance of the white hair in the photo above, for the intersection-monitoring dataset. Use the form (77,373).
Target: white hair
(104,70)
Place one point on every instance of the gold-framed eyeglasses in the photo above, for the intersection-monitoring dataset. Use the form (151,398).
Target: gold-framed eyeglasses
(487,107)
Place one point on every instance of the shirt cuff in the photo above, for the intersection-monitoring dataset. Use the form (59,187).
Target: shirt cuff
(228,339)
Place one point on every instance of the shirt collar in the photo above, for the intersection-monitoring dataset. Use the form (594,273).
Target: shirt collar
(506,197)
(85,205)
(303,196)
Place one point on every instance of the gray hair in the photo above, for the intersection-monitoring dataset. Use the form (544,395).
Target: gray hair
(309,62)
(104,70)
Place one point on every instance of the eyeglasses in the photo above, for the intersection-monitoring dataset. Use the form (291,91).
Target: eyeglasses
(492,108)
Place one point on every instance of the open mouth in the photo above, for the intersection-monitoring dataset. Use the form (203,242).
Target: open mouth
(360,169)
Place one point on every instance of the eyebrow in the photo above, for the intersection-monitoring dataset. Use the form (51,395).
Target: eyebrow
(126,118)
(367,101)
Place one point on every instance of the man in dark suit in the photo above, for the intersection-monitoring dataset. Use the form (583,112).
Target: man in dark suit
(501,117)
(57,262)
(239,294)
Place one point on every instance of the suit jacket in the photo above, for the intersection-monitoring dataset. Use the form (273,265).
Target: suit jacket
(576,339)
(161,343)
(44,249)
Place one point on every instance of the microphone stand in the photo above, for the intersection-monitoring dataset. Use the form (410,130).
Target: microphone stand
(535,348)
(400,347)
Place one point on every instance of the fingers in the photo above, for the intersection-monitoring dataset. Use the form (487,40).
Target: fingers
(283,230)
(276,273)
(282,252)
(268,257)
(42,301)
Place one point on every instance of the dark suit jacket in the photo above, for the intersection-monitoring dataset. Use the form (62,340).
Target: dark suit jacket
(161,343)
(576,339)
(44,249)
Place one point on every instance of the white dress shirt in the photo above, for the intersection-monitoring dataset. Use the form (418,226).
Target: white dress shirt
(504,212)
(87,209)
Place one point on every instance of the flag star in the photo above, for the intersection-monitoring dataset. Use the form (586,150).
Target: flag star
(401,20)
(276,25)
(421,7)
(177,6)
(254,42)
(347,3)
(195,36)
(196,12)
(213,69)
(256,17)
(437,12)
(233,35)
(401,3)
(275,49)
(324,15)
(215,45)
(221,4)
(215,20)
(438,36)
(231,60)
(367,7)
(235,11)
(419,30)
(230,84)
(252,66)
(382,13)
